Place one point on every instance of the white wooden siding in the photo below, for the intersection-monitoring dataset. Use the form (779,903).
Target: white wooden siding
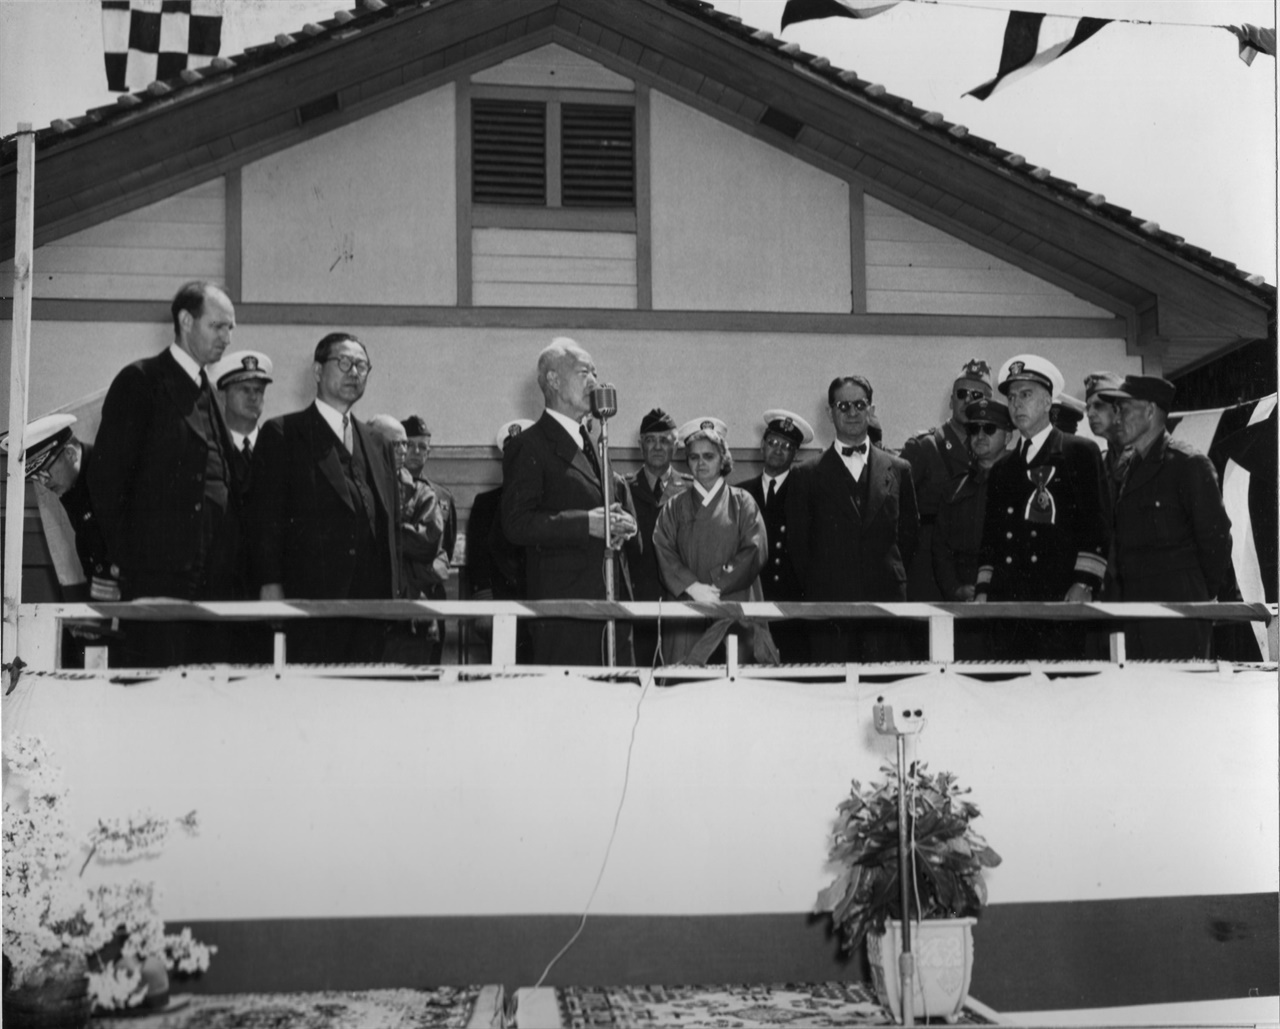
(553,65)
(913,268)
(144,255)
(549,268)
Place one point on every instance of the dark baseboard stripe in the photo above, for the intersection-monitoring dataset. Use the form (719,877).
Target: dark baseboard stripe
(1081,954)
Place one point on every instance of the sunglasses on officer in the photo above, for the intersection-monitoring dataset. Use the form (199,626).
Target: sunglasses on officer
(986,428)
(970,395)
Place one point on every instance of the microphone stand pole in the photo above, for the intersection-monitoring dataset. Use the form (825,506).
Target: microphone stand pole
(610,586)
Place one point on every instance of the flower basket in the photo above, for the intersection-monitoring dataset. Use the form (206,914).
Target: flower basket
(943,951)
(945,860)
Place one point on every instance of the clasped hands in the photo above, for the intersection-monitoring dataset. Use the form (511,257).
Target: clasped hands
(621,525)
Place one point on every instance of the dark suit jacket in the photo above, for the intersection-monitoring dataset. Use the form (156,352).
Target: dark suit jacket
(840,551)
(548,490)
(1172,533)
(1029,560)
(779,577)
(493,562)
(147,482)
(304,521)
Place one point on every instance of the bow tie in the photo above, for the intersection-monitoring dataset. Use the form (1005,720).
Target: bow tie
(861,448)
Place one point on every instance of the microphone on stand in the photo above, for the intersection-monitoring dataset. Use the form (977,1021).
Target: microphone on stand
(604,401)
(604,405)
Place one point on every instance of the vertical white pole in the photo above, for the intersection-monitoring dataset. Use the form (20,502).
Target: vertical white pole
(19,369)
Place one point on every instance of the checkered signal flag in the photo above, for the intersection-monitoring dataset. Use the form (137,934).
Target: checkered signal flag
(145,41)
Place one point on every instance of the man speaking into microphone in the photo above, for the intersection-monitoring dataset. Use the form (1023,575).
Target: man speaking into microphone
(553,505)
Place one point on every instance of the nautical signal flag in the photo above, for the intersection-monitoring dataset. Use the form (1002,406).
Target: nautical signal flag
(148,40)
(808,10)
(1029,47)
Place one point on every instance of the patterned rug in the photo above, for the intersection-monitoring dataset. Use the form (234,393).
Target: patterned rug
(727,1007)
(466,1007)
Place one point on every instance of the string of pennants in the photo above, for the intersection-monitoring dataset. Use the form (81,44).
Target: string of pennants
(1028,43)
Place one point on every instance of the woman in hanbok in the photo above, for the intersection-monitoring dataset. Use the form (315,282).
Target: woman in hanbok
(711,544)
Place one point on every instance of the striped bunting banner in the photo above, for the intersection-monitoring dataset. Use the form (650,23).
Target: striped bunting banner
(1029,46)
(809,10)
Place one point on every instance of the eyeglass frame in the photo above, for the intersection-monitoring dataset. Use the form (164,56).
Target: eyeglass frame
(776,442)
(971,395)
(986,428)
(845,406)
(347,364)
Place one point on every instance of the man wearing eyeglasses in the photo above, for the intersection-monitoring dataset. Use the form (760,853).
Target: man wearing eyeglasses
(853,526)
(784,433)
(324,504)
(652,485)
(939,459)
(161,482)
(1044,537)
(957,536)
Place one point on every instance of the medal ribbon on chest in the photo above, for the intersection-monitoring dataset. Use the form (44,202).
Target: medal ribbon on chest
(1040,505)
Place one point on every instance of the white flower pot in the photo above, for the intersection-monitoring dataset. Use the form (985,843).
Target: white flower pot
(943,952)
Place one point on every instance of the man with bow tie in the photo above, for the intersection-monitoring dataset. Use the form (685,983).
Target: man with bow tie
(853,526)
(1045,536)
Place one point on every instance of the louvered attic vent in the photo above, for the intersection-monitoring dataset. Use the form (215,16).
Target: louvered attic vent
(598,156)
(508,152)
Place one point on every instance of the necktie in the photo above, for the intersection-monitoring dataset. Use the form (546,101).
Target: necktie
(768,500)
(657,490)
(589,450)
(247,449)
(861,448)
(1026,451)
(204,381)
(347,440)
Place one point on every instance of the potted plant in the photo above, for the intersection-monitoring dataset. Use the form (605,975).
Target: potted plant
(946,858)
(70,947)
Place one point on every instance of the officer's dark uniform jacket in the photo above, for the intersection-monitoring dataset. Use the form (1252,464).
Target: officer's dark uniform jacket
(1044,527)
(939,459)
(957,533)
(779,577)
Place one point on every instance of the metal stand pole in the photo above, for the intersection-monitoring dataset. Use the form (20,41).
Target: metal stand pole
(906,962)
(610,586)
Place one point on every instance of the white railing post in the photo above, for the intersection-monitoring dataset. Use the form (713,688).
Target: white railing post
(504,640)
(942,638)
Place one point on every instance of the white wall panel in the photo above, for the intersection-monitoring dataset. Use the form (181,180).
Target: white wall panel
(915,268)
(740,226)
(143,255)
(364,214)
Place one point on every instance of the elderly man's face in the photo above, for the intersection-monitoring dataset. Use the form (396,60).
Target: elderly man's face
(1029,404)
(778,453)
(658,448)
(1103,417)
(207,337)
(245,400)
(572,380)
(337,388)
(395,435)
(964,393)
(1135,419)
